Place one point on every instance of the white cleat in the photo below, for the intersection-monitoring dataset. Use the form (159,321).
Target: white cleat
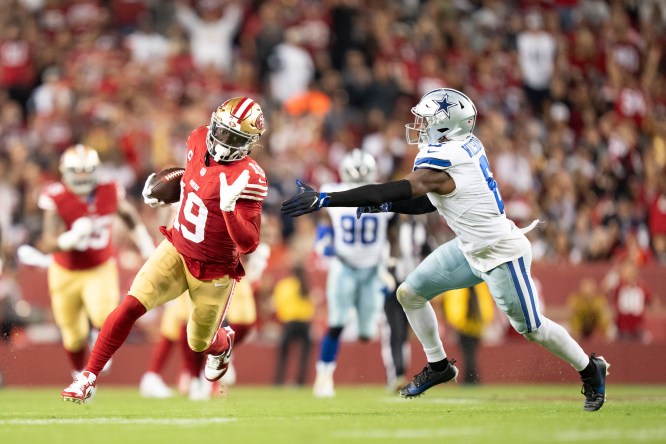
(323,385)
(200,389)
(82,389)
(152,386)
(217,365)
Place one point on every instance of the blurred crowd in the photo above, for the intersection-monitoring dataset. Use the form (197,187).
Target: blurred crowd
(570,93)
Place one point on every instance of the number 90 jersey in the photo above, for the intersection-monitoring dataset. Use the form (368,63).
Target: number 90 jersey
(359,243)
(200,232)
(475,210)
(100,207)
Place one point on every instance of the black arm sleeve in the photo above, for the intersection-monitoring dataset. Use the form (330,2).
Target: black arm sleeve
(418,205)
(375,194)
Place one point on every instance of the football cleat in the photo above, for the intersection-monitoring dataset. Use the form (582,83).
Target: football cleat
(152,386)
(594,388)
(428,378)
(217,365)
(323,386)
(200,389)
(82,389)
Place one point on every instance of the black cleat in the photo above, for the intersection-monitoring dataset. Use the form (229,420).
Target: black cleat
(429,378)
(594,388)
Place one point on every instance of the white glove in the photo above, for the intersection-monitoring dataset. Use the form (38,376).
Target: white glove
(81,229)
(152,202)
(29,255)
(229,193)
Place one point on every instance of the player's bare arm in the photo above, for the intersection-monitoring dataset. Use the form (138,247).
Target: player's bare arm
(52,227)
(138,231)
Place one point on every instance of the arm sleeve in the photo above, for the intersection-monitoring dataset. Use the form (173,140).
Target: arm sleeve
(244,224)
(375,194)
(419,205)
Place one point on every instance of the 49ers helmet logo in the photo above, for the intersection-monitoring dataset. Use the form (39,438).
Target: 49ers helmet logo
(260,122)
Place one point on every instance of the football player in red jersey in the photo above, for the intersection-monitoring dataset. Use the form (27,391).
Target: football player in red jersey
(219,219)
(82,273)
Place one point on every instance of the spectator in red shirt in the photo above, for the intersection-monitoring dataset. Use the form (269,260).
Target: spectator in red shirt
(631,298)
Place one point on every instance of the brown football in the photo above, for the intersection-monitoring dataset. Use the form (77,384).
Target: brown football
(166,184)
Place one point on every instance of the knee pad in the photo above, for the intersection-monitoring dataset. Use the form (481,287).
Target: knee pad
(408,298)
(335,332)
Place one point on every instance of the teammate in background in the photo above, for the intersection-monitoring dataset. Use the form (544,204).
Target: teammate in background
(219,218)
(451,175)
(358,247)
(82,272)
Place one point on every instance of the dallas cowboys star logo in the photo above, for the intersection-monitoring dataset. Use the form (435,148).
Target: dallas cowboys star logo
(444,105)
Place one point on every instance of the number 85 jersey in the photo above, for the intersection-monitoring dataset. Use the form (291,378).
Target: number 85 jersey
(209,239)
(475,210)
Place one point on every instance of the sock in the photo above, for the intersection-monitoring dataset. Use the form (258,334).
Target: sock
(329,349)
(555,338)
(220,343)
(115,330)
(242,330)
(589,371)
(192,361)
(160,354)
(439,366)
(424,323)
(77,359)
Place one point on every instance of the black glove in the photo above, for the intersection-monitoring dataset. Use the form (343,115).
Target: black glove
(382,208)
(306,201)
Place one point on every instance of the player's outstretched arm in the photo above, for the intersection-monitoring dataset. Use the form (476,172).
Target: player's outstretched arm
(415,184)
(417,205)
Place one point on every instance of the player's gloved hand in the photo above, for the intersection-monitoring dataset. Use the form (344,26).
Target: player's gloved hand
(152,202)
(229,194)
(29,255)
(81,229)
(306,201)
(381,208)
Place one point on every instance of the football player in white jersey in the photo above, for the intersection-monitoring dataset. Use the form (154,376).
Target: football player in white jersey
(358,247)
(451,175)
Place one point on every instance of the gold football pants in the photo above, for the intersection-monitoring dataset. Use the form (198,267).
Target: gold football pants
(81,295)
(165,276)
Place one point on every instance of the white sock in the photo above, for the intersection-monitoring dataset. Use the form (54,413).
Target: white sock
(424,323)
(557,340)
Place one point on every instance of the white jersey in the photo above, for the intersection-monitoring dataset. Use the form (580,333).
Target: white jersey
(475,210)
(359,243)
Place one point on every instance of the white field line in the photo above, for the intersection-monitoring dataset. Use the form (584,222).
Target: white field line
(181,422)
(618,435)
(408,433)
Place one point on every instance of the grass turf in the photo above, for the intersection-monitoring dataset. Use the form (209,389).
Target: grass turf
(483,414)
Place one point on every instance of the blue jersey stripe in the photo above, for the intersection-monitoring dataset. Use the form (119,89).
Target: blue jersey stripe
(431,161)
(521,297)
(523,270)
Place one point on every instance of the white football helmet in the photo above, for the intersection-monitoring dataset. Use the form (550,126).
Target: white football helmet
(234,127)
(358,167)
(441,113)
(78,167)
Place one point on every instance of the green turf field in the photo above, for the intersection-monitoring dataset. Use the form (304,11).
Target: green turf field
(485,414)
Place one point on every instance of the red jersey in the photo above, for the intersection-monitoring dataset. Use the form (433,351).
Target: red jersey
(100,206)
(211,240)
(630,302)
